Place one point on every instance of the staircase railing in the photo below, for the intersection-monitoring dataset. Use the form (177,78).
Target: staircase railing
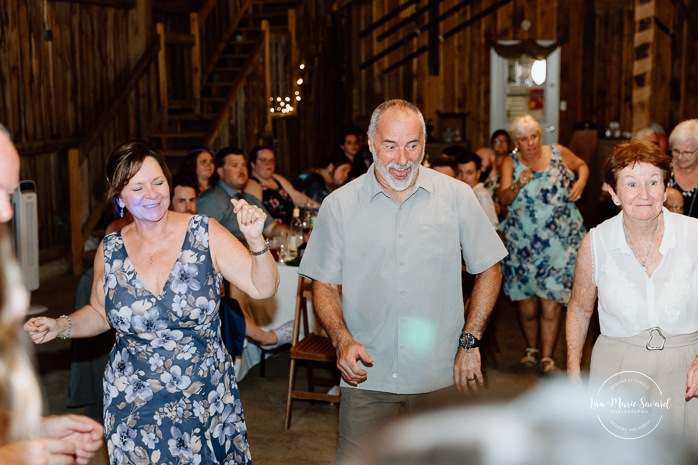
(137,96)
(254,73)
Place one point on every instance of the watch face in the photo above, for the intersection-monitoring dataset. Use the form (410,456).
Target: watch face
(467,341)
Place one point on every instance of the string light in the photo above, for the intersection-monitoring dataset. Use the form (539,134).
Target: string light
(282,105)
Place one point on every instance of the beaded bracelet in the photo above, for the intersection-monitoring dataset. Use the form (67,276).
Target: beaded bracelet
(70,326)
(261,252)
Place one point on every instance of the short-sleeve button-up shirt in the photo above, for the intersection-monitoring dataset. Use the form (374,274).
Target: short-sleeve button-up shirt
(400,270)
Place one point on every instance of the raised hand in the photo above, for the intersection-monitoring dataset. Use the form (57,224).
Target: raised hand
(250,218)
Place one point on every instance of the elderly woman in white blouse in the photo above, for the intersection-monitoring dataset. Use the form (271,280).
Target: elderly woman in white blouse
(642,265)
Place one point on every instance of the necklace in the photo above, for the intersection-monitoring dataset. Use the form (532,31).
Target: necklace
(157,246)
(643,261)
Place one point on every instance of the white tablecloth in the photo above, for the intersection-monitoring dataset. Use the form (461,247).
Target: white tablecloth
(269,314)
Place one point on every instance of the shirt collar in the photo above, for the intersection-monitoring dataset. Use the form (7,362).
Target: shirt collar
(425,181)
(232,193)
(668,239)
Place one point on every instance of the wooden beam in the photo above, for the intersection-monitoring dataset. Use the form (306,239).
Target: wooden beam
(266,31)
(179,38)
(644,60)
(196,61)
(125,4)
(162,72)
(45,146)
(107,116)
(76,238)
(172,6)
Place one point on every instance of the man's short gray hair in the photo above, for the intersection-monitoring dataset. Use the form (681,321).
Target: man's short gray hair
(399,104)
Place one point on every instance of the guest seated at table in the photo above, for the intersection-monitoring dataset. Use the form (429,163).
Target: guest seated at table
(276,193)
(674,200)
(184,201)
(684,150)
(469,170)
(353,144)
(231,167)
(317,183)
(199,166)
(446,165)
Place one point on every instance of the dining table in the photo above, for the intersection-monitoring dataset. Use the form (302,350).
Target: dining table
(269,313)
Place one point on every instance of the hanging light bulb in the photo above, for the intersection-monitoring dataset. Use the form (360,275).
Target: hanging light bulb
(538,72)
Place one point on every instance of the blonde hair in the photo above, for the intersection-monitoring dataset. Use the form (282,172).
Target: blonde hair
(523,124)
(20,394)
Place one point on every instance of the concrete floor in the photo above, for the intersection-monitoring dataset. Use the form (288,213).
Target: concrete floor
(313,434)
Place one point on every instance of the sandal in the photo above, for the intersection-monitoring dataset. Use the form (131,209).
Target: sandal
(530,358)
(548,367)
(284,335)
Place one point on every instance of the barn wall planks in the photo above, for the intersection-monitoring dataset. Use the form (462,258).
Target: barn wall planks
(64,62)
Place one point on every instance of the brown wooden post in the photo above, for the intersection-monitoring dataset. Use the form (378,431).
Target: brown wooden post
(196,61)
(267,74)
(76,238)
(162,71)
(644,47)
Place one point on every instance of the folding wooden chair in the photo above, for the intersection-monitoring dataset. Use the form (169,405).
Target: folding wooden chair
(311,349)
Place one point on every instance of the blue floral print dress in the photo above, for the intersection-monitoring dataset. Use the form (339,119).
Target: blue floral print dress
(542,233)
(170,395)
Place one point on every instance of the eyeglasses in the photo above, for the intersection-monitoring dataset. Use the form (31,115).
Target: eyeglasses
(501,140)
(675,208)
(683,153)
(266,161)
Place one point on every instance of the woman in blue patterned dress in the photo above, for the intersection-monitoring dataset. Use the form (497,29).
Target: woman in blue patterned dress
(170,394)
(542,231)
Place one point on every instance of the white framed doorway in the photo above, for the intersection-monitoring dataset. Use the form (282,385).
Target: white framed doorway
(525,85)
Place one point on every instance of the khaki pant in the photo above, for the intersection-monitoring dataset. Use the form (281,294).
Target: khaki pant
(362,412)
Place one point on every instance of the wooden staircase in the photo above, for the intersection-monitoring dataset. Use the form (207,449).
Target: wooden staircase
(192,121)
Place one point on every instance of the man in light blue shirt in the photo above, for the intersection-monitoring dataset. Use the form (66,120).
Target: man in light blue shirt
(393,240)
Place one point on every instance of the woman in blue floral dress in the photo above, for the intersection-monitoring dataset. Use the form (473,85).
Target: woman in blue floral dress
(170,394)
(542,230)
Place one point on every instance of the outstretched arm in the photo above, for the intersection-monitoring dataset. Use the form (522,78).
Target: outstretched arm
(88,321)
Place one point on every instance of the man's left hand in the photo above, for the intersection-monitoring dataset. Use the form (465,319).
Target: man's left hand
(467,374)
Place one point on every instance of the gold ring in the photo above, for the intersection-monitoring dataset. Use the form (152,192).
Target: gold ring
(471,379)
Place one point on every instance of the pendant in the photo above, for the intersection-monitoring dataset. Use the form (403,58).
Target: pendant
(643,267)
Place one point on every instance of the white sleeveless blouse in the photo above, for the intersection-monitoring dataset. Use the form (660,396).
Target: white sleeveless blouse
(630,301)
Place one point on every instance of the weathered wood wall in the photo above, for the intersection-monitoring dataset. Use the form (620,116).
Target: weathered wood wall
(62,63)
(597,57)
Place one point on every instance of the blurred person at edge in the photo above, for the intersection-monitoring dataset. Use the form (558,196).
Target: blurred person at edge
(641,265)
(27,438)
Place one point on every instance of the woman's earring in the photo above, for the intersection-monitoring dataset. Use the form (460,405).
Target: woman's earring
(121,211)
